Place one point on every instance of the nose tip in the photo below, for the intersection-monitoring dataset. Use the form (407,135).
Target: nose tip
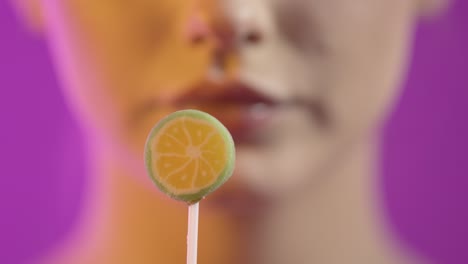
(207,26)
(210,25)
(197,28)
(207,20)
(202,26)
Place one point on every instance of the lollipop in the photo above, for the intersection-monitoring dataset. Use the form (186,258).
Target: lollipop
(189,154)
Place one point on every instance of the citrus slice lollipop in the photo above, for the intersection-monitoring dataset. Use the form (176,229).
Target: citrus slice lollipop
(189,154)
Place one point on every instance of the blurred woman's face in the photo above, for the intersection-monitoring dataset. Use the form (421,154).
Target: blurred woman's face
(295,81)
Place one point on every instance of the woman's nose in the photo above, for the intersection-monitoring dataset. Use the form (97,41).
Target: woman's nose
(201,27)
(197,28)
(207,23)
(207,26)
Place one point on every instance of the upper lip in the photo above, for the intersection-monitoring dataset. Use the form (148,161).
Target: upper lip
(207,93)
(221,94)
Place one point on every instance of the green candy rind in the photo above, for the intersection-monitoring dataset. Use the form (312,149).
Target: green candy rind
(224,175)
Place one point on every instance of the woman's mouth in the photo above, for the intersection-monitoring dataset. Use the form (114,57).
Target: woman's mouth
(244,111)
(239,107)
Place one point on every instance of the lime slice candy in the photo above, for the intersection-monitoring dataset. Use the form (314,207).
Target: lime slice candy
(189,154)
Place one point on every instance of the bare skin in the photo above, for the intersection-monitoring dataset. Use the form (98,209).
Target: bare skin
(337,222)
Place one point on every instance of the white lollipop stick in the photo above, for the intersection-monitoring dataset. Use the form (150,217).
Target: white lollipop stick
(192,235)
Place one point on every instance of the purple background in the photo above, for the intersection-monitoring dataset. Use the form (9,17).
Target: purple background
(425,162)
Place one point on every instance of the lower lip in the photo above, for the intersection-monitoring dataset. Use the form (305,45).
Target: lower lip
(257,119)
(244,122)
(239,201)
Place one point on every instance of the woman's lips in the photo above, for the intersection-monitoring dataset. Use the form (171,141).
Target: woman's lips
(238,199)
(240,108)
(230,93)
(243,121)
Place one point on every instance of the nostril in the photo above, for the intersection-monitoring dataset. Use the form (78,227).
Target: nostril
(197,39)
(253,37)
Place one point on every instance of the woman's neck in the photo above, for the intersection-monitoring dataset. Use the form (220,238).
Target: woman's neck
(124,220)
(338,221)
